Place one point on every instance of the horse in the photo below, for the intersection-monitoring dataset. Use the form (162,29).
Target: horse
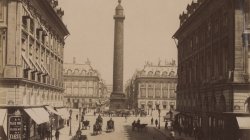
(97,129)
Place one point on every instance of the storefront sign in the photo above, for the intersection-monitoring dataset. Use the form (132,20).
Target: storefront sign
(14,129)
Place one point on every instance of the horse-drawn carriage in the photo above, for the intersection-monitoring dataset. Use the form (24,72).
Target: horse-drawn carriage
(97,127)
(139,126)
(110,125)
(79,136)
(85,124)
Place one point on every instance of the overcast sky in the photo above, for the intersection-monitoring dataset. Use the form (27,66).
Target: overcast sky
(148,28)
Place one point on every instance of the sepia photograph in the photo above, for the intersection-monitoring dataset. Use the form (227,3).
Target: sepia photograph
(124,69)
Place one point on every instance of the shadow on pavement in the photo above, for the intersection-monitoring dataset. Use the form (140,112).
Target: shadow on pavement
(145,134)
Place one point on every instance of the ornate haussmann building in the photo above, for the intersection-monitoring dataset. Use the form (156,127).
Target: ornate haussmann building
(32,36)
(153,87)
(31,52)
(213,89)
(83,85)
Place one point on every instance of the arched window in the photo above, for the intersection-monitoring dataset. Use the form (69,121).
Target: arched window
(90,73)
(143,73)
(150,73)
(171,74)
(157,73)
(69,72)
(83,72)
(76,72)
(164,74)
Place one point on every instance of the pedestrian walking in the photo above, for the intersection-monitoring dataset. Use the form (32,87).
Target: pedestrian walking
(138,121)
(152,121)
(82,118)
(68,122)
(172,135)
(133,125)
(48,134)
(125,118)
(179,129)
(76,116)
(156,122)
(57,134)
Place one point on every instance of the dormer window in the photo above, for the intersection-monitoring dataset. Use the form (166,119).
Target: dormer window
(25,22)
(32,26)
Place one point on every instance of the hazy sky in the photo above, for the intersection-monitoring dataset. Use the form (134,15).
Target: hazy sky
(148,30)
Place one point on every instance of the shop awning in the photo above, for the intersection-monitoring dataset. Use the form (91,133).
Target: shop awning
(243,122)
(3,113)
(64,113)
(51,110)
(42,113)
(34,116)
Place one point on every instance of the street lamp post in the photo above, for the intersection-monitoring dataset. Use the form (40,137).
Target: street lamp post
(80,109)
(159,111)
(51,124)
(70,113)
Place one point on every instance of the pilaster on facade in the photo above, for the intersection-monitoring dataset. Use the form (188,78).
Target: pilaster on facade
(23,63)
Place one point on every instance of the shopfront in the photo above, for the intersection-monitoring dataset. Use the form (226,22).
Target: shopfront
(64,116)
(20,122)
(28,122)
(55,117)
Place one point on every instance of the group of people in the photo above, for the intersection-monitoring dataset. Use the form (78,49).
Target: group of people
(156,122)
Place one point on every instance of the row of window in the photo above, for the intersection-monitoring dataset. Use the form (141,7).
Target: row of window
(158,73)
(77,72)
(81,91)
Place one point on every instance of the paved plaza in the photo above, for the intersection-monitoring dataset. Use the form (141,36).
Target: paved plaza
(123,129)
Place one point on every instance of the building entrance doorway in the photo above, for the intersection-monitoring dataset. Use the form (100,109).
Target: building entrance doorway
(76,103)
(157,107)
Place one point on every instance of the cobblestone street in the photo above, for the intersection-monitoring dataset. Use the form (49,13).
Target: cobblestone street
(123,129)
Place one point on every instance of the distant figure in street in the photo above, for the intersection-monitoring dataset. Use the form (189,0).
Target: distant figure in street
(172,135)
(48,134)
(68,122)
(179,129)
(57,134)
(125,118)
(133,125)
(82,118)
(76,116)
(152,121)
(94,113)
(156,122)
(138,121)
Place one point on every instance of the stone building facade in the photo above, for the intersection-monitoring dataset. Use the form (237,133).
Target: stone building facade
(153,87)
(83,85)
(213,66)
(31,52)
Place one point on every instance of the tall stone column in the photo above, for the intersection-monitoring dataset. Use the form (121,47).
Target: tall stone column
(117,99)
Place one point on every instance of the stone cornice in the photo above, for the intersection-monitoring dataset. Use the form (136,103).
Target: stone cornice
(53,15)
(21,80)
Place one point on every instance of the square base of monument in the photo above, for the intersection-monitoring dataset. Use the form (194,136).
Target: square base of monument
(117,102)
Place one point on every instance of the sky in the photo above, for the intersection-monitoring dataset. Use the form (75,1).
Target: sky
(148,29)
